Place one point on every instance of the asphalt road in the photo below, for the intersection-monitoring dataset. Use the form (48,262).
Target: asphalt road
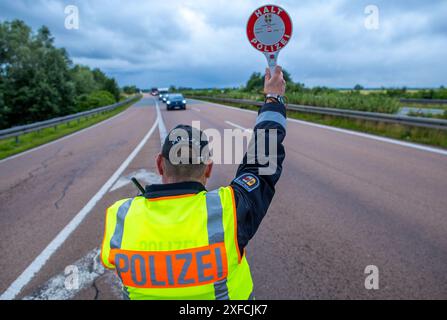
(344,202)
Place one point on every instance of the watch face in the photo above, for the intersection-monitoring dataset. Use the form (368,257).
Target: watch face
(278,98)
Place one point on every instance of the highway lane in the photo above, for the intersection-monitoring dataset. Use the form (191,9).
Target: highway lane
(344,202)
(42,190)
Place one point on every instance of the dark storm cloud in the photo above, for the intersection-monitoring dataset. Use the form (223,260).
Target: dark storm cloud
(202,43)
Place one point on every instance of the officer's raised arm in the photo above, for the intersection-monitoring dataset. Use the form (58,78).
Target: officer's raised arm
(158,242)
(254,185)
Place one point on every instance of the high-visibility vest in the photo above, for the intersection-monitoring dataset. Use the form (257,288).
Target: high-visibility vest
(177,247)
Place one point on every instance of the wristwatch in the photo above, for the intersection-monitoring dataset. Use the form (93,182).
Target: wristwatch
(276,97)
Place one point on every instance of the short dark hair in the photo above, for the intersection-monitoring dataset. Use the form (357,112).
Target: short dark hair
(184,171)
(185,153)
(183,136)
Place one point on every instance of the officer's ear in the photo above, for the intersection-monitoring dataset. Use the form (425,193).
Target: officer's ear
(208,169)
(160,164)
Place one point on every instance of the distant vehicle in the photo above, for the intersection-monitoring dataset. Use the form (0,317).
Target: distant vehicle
(154,92)
(175,101)
(161,92)
(164,97)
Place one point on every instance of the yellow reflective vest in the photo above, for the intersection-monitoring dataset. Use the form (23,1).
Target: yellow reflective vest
(177,247)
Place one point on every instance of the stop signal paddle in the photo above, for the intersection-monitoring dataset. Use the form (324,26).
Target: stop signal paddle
(269,29)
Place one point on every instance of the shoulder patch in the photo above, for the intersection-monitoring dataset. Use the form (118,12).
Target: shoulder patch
(248,181)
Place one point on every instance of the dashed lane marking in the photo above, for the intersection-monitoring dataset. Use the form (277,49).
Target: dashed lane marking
(237,126)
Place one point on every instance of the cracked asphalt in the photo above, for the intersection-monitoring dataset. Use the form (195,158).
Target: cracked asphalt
(344,202)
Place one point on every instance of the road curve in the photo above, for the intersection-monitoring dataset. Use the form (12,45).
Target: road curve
(344,202)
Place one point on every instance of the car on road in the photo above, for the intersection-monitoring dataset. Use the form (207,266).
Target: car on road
(154,92)
(164,97)
(161,93)
(175,101)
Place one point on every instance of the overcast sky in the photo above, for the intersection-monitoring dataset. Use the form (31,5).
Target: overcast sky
(202,43)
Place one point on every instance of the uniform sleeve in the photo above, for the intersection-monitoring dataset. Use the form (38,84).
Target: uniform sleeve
(109,229)
(254,185)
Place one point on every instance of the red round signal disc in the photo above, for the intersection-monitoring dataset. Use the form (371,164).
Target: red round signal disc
(269,28)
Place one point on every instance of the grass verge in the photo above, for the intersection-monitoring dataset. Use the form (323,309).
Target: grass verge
(9,147)
(322,99)
(415,134)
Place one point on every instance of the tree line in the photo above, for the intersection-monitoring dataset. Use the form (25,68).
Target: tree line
(39,81)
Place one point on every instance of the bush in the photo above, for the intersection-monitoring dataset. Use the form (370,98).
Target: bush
(95,99)
(130,89)
(352,101)
(38,81)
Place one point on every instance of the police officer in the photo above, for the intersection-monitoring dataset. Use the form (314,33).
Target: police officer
(180,241)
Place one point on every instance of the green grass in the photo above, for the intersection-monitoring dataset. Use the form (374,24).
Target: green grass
(9,147)
(369,91)
(328,99)
(421,135)
(359,102)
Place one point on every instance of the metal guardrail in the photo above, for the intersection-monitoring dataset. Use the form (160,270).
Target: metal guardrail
(372,116)
(36,126)
(424,101)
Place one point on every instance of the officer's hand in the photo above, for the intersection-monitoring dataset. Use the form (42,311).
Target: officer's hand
(274,84)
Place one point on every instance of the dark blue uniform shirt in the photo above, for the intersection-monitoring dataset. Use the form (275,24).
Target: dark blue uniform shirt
(253,192)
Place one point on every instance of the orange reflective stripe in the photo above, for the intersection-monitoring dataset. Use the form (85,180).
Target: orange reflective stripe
(171,269)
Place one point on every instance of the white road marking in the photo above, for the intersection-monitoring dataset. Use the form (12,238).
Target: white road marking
(195,109)
(142,175)
(353,133)
(161,125)
(61,139)
(35,266)
(238,126)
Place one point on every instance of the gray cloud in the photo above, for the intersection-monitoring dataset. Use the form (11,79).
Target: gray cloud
(202,43)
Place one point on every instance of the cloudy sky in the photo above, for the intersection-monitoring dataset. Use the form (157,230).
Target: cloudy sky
(202,43)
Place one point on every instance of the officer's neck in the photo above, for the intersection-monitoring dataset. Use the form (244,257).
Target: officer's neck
(168,180)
